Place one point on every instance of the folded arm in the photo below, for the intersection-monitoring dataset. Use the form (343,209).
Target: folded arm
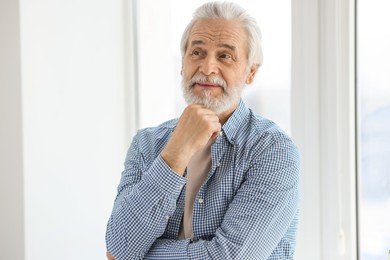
(144,203)
(261,213)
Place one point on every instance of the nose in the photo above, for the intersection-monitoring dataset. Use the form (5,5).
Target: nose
(209,66)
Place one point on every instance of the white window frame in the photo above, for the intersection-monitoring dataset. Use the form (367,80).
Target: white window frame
(131,68)
(323,122)
(323,126)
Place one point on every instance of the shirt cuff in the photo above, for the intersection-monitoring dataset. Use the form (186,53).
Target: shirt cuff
(165,178)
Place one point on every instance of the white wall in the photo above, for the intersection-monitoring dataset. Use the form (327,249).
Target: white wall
(11,156)
(69,88)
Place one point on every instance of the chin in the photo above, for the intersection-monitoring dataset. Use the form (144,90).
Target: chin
(218,105)
(223,103)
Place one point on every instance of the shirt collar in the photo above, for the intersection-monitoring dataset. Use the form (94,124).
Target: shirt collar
(233,124)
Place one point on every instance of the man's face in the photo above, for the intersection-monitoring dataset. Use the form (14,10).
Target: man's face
(215,65)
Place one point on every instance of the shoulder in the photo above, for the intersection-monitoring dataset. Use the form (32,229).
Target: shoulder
(271,152)
(260,129)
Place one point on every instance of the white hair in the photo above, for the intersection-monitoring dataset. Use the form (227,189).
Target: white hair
(229,11)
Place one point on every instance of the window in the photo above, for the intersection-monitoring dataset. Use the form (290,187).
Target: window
(373,82)
(160,26)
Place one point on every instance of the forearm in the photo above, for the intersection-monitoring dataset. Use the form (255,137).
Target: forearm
(254,236)
(141,216)
(171,249)
(260,222)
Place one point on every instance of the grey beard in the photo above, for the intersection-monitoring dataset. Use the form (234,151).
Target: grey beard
(230,96)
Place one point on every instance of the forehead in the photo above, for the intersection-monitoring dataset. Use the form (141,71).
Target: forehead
(218,31)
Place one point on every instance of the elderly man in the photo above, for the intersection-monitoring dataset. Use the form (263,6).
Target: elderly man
(220,182)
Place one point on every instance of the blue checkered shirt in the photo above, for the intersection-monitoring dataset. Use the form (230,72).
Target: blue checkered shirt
(247,207)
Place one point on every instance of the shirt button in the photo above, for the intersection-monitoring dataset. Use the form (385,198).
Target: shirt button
(180,187)
(167,217)
(220,133)
(200,201)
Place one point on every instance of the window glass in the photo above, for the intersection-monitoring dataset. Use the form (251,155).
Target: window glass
(160,26)
(373,83)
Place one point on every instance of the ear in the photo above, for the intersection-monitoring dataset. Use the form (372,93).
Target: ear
(251,75)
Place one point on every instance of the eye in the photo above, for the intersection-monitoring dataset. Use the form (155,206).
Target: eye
(197,53)
(225,56)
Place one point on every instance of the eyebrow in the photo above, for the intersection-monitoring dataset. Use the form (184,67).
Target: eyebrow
(228,46)
(197,42)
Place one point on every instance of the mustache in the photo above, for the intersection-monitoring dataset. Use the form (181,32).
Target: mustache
(213,79)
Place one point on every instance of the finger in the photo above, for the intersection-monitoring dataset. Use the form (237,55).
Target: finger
(109,256)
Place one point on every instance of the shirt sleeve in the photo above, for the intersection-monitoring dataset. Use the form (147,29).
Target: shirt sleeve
(143,205)
(258,218)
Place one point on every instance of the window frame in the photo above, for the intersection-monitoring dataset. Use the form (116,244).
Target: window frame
(323,126)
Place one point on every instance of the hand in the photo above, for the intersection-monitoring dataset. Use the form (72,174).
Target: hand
(109,256)
(196,126)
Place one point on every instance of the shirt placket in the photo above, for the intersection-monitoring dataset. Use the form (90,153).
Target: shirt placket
(217,152)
